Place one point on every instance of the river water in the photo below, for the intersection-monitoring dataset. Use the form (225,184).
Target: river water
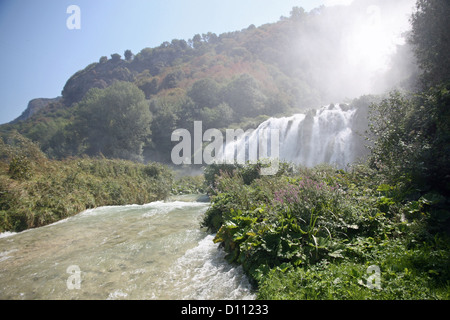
(153,251)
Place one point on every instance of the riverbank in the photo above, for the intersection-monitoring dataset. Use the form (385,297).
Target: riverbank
(323,234)
(305,233)
(36,191)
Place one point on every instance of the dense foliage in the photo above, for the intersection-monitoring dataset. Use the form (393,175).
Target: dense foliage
(113,122)
(313,233)
(430,39)
(319,233)
(411,139)
(411,131)
(304,233)
(224,80)
(36,191)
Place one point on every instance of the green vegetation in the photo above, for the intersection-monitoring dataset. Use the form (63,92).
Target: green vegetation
(128,108)
(316,233)
(312,233)
(36,191)
(430,41)
(189,185)
(113,122)
(224,80)
(305,233)
(411,139)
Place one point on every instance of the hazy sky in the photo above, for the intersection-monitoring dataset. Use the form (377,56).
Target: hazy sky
(39,53)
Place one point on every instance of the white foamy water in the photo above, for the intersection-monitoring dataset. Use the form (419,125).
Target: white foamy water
(325,135)
(6,234)
(154,251)
(202,274)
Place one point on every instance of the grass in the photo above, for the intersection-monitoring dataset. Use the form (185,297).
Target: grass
(313,234)
(403,276)
(301,234)
(36,191)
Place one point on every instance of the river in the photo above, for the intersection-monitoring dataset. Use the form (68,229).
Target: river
(152,251)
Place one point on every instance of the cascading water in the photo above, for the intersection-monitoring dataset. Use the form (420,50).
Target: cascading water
(158,251)
(326,135)
(154,251)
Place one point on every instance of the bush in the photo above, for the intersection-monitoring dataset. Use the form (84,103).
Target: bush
(19,168)
(189,185)
(322,228)
(405,274)
(65,188)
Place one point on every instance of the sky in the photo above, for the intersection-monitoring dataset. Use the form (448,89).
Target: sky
(40,53)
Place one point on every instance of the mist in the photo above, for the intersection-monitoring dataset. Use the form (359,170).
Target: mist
(354,50)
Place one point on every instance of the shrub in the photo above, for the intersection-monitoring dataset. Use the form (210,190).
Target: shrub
(312,234)
(19,168)
(64,188)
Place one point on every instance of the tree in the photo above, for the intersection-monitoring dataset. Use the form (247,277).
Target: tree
(298,13)
(128,55)
(218,117)
(393,151)
(412,139)
(210,38)
(165,112)
(431,40)
(149,86)
(171,80)
(244,96)
(115,57)
(179,44)
(413,131)
(197,41)
(205,93)
(114,121)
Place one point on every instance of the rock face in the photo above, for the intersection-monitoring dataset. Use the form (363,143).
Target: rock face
(97,75)
(34,106)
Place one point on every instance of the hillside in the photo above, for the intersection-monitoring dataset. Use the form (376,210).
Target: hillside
(233,79)
(374,228)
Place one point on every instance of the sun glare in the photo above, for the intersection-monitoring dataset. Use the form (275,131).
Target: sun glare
(372,41)
(330,3)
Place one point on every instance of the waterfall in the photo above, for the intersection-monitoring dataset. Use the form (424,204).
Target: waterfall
(326,135)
